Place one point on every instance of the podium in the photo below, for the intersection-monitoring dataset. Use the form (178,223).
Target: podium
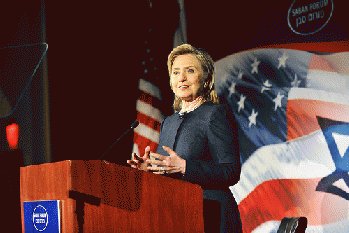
(98,196)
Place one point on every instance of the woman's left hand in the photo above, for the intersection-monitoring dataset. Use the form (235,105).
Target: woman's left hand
(167,164)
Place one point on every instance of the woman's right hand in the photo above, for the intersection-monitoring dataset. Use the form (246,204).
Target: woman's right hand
(140,163)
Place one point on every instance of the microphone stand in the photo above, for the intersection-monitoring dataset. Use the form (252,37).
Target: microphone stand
(134,125)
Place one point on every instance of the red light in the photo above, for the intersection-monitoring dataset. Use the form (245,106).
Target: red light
(12,135)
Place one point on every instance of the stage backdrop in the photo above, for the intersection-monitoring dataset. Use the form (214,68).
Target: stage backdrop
(292,107)
(283,67)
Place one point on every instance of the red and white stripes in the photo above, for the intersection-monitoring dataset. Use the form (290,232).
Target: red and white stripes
(149,117)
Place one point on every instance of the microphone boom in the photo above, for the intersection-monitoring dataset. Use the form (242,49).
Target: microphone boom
(133,126)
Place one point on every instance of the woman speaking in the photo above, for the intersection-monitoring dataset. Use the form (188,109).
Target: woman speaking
(199,142)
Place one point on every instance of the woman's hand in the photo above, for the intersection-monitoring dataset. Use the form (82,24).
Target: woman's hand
(140,163)
(167,164)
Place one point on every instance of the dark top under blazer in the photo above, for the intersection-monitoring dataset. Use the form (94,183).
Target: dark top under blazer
(207,138)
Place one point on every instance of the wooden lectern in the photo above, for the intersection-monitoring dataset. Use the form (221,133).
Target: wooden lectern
(98,196)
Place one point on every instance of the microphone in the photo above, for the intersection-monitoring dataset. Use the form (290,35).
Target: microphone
(134,125)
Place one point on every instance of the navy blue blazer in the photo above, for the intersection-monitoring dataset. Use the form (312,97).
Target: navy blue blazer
(207,138)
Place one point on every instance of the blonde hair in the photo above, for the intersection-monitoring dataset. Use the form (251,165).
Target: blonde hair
(207,65)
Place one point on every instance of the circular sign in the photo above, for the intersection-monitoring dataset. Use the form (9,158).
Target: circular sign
(40,218)
(306,17)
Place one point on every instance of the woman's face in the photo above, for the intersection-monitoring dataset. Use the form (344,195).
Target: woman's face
(186,77)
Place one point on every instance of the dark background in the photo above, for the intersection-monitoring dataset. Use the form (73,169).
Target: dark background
(94,63)
(96,50)
(95,57)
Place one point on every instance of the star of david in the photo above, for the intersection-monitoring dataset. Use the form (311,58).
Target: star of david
(330,128)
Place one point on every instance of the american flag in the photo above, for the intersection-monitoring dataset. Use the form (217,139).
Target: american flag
(149,117)
(152,105)
(292,108)
(148,105)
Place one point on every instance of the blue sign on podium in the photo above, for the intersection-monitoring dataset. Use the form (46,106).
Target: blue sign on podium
(42,216)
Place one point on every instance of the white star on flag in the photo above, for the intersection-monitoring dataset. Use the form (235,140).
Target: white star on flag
(252,118)
(296,82)
(241,103)
(277,100)
(266,86)
(240,75)
(255,66)
(232,88)
(282,61)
